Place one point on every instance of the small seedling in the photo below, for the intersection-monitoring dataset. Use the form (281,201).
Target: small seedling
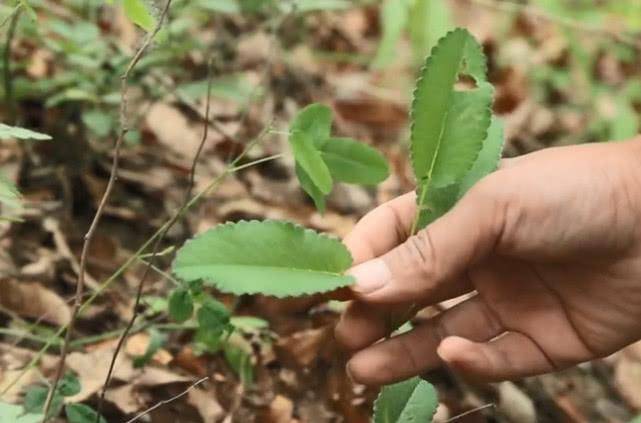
(455,142)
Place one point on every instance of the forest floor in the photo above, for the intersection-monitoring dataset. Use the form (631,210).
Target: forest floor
(295,371)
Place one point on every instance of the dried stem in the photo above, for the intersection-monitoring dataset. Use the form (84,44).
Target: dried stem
(167,401)
(80,285)
(472,411)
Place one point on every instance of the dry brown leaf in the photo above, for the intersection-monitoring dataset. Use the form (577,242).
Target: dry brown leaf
(92,368)
(281,410)
(34,301)
(206,404)
(187,360)
(173,130)
(125,398)
(304,347)
(137,346)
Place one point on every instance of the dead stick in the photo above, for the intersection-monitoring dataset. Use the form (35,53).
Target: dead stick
(124,79)
(167,401)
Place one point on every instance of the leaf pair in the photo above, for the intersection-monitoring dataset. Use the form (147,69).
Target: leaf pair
(322,159)
(450,125)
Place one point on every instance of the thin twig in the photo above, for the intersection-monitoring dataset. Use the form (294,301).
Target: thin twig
(8,81)
(11,15)
(194,163)
(124,86)
(123,131)
(167,401)
(468,412)
(536,12)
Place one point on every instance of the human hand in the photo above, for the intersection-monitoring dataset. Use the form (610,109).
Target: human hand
(551,243)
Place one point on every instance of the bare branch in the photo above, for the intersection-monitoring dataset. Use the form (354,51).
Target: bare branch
(168,400)
(80,285)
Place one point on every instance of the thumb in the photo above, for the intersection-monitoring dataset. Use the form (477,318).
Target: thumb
(428,267)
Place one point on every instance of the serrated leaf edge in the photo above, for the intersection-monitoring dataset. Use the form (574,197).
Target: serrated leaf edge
(380,394)
(428,61)
(325,236)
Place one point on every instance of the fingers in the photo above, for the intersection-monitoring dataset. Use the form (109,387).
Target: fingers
(362,324)
(382,229)
(414,352)
(419,269)
(510,356)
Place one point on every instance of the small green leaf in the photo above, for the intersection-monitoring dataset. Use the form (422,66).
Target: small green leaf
(394,17)
(69,385)
(36,397)
(411,401)
(32,13)
(239,354)
(138,12)
(429,21)
(312,190)
(316,121)
(272,258)
(156,341)
(98,121)
(11,132)
(213,323)
(354,162)
(213,315)
(311,161)
(249,323)
(181,305)
(80,413)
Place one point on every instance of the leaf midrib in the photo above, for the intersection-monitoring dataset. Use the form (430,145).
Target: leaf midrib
(267,267)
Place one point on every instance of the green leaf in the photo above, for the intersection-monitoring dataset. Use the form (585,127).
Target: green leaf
(316,121)
(448,126)
(488,158)
(69,385)
(394,17)
(156,341)
(303,6)
(222,6)
(271,257)
(213,323)
(181,305)
(11,132)
(10,412)
(238,353)
(312,190)
(310,160)
(429,21)
(354,162)
(9,195)
(138,12)
(36,397)
(98,121)
(411,401)
(80,413)
(26,6)
(441,200)
(249,324)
